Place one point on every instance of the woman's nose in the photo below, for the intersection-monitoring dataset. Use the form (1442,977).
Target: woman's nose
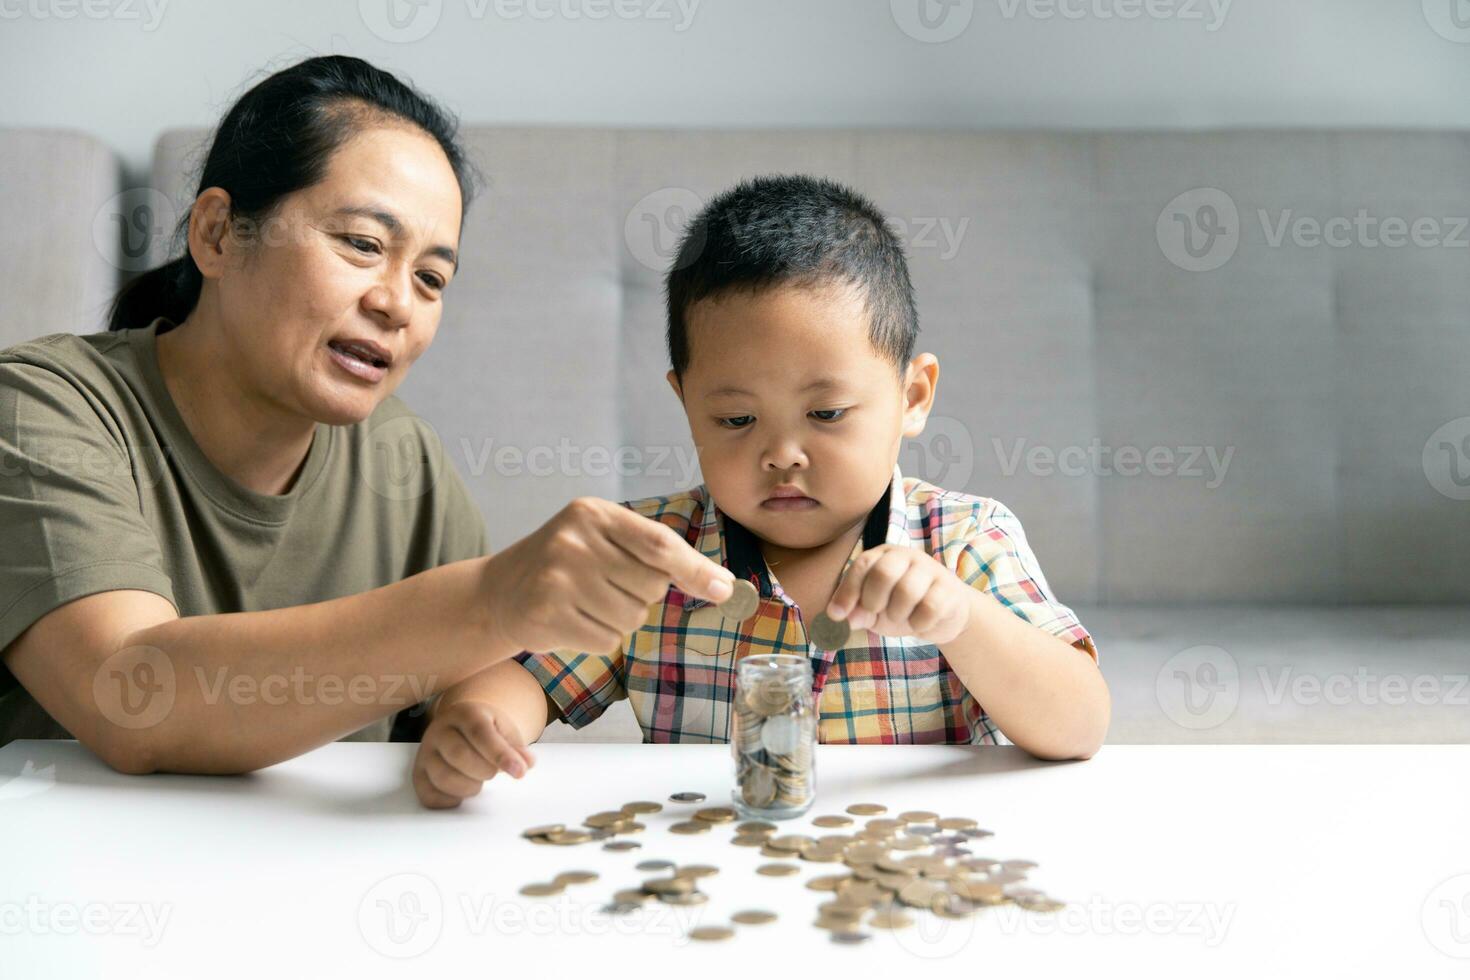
(391,299)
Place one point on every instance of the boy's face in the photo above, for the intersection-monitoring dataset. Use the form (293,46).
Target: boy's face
(796,415)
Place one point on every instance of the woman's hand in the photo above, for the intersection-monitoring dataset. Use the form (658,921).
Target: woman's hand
(467,743)
(585,579)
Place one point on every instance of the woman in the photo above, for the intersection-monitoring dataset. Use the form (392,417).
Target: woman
(214,560)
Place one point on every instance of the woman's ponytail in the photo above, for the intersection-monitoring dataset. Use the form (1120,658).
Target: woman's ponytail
(170,290)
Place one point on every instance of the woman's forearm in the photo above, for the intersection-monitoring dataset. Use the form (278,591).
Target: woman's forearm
(253,689)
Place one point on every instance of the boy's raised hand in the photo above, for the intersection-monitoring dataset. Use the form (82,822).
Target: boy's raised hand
(466,744)
(898,591)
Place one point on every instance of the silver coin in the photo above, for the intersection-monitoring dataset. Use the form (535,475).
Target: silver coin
(851,938)
(654,865)
(687,797)
(743,602)
(827,633)
(621,845)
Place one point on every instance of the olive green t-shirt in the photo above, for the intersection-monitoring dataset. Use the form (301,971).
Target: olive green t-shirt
(102,487)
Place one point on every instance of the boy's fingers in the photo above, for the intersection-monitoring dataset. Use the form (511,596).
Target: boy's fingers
(485,749)
(429,794)
(846,597)
(658,547)
(907,593)
(449,780)
(879,582)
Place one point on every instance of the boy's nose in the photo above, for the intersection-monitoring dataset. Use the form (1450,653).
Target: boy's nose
(785,454)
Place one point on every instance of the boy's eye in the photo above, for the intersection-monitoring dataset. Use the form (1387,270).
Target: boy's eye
(829,414)
(737,422)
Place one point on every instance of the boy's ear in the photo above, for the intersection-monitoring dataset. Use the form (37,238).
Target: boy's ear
(921,380)
(674,383)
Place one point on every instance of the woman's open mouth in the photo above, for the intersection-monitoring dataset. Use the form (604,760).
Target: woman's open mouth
(358,361)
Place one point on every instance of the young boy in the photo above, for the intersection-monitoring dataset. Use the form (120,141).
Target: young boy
(791,328)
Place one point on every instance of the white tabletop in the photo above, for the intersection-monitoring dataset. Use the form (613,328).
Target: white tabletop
(1199,861)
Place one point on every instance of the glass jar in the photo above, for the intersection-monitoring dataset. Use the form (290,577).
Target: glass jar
(773,737)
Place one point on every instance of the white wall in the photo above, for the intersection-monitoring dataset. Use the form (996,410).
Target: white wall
(125,69)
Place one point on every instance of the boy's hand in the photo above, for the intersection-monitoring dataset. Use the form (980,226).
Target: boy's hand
(463,746)
(903,592)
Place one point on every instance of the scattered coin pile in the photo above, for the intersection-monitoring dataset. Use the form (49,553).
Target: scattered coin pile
(892,869)
(775,737)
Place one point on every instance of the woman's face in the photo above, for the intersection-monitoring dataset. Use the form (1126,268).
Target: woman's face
(335,296)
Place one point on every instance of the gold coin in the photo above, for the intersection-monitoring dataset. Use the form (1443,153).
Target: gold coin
(756,827)
(689,827)
(689,898)
(884,825)
(791,843)
(918,816)
(669,886)
(628,827)
(568,837)
(840,912)
(575,877)
(542,889)
(696,871)
(630,896)
(827,633)
(827,883)
(921,893)
(833,820)
(955,823)
(867,809)
(715,814)
(710,934)
(748,840)
(606,818)
(753,917)
(891,919)
(642,806)
(742,603)
(777,870)
(979,892)
(543,830)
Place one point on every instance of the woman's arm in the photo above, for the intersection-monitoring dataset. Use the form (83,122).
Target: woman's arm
(252,689)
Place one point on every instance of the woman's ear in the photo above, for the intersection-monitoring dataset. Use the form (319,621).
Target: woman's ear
(920,382)
(209,228)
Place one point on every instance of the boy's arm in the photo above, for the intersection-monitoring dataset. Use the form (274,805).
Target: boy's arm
(512,691)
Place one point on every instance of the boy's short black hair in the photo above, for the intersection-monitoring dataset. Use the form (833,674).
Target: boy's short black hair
(794,230)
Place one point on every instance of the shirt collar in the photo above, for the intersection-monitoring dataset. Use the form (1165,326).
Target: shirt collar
(723,539)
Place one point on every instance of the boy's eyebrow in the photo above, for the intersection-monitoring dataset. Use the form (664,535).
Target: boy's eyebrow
(820,384)
(390,221)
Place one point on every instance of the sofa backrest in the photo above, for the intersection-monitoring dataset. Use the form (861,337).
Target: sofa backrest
(1146,352)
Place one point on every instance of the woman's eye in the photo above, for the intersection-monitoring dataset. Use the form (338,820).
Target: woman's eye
(432,281)
(737,422)
(829,414)
(366,245)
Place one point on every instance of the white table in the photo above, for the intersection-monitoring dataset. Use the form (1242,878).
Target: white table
(1197,861)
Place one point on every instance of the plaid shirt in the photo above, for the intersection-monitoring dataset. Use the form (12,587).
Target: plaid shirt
(678,669)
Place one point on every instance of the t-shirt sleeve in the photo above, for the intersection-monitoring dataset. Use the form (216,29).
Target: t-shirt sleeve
(581,685)
(992,555)
(71,515)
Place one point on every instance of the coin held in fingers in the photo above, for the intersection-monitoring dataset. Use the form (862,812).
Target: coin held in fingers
(829,634)
(742,602)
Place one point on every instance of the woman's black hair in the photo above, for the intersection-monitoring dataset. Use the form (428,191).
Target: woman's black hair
(278,138)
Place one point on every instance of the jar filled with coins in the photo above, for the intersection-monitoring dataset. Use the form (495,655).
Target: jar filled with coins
(774,737)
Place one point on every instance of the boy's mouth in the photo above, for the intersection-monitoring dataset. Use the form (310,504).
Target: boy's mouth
(786,498)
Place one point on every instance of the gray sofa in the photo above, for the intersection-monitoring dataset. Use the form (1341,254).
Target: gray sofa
(1233,442)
